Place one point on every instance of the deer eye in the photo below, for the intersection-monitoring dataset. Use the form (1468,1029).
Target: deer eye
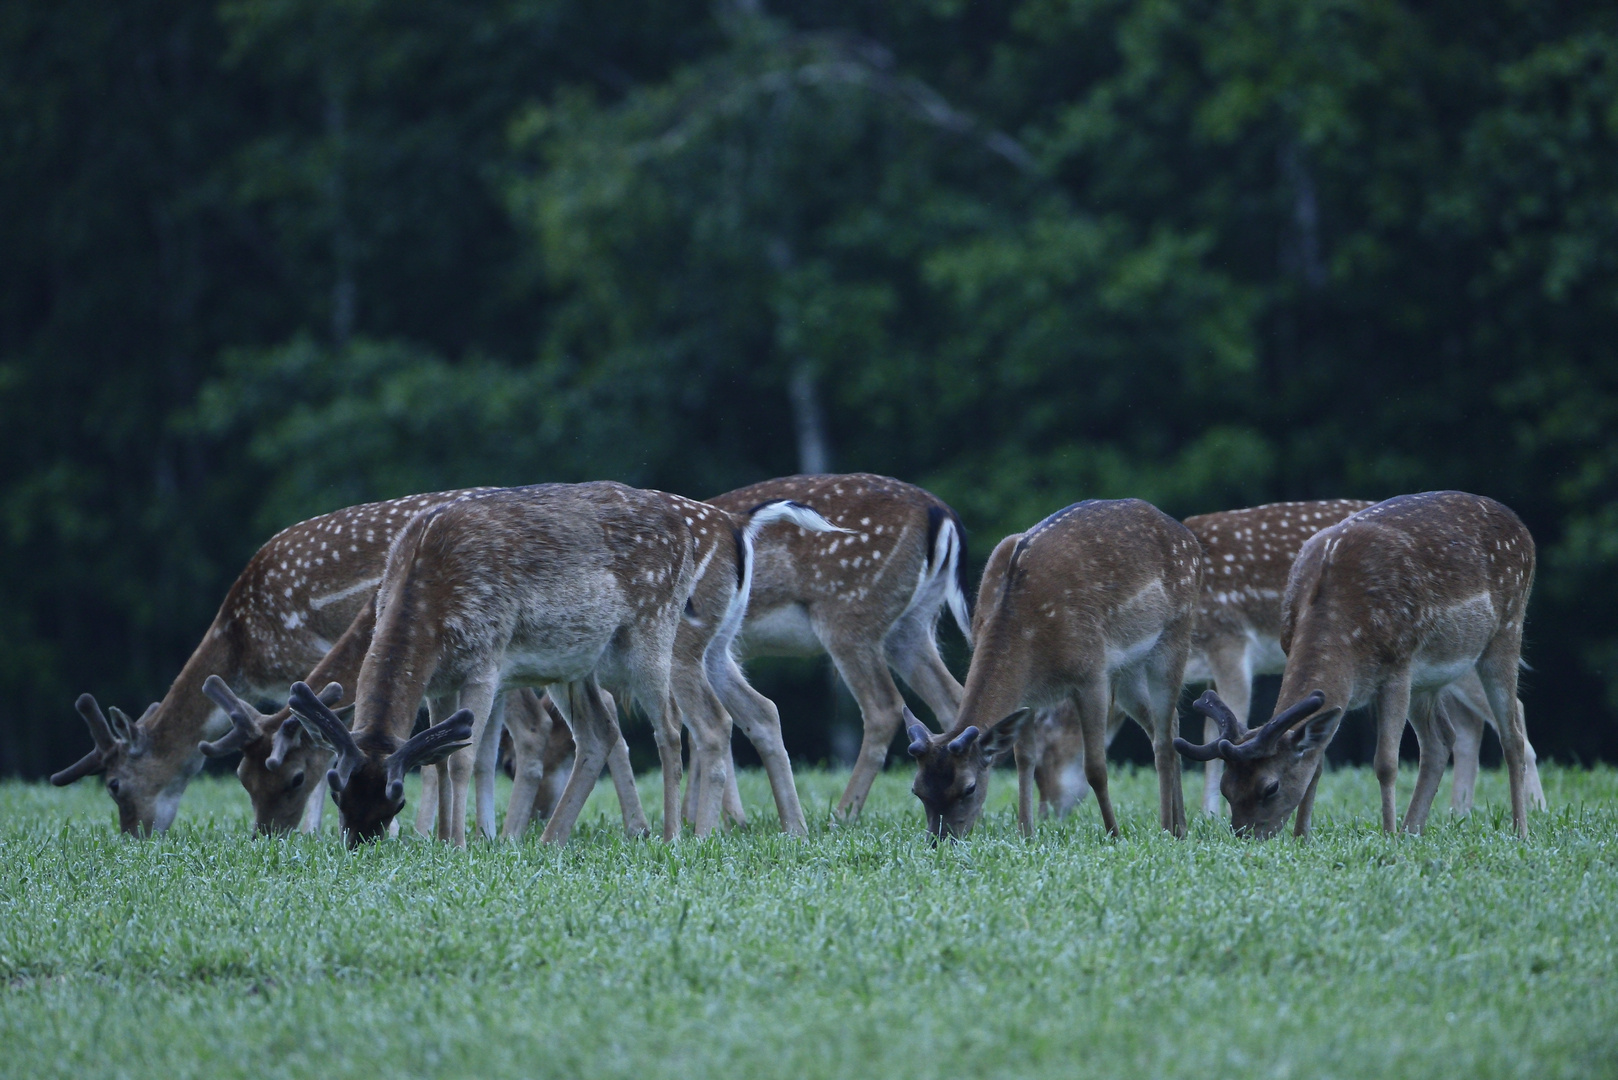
(1270,790)
(113,785)
(295,782)
(966,792)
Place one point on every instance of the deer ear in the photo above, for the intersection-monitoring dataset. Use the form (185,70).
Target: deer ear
(1316,731)
(1003,736)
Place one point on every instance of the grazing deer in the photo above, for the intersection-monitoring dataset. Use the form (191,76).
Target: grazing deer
(285,773)
(1238,637)
(294,598)
(551,584)
(1094,605)
(870,597)
(1388,607)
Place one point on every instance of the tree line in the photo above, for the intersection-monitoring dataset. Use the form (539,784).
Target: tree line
(266,258)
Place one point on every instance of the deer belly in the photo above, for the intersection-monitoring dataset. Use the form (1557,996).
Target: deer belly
(1124,657)
(1452,640)
(560,662)
(780,631)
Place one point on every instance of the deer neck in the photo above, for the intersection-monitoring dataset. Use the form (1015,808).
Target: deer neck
(405,653)
(997,681)
(1325,656)
(185,716)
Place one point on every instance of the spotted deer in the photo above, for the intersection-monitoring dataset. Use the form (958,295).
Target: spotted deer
(1093,605)
(295,597)
(869,596)
(550,584)
(1387,608)
(1238,637)
(285,773)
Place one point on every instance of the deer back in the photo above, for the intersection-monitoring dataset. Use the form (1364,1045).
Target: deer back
(859,581)
(1086,586)
(1248,555)
(1426,579)
(547,582)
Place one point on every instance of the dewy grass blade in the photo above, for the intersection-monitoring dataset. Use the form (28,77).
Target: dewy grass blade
(861,950)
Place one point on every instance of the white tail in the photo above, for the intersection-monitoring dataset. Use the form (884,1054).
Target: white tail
(870,596)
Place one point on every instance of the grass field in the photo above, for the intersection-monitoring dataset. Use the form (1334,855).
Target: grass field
(861,952)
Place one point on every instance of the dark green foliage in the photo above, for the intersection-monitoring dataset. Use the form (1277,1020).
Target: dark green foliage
(265,259)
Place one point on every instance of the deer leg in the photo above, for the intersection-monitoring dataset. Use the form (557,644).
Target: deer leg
(314,811)
(443,781)
(709,725)
(1094,706)
(1306,805)
(1497,668)
(475,763)
(529,726)
(444,791)
(759,720)
(865,671)
(485,700)
(1233,682)
(623,782)
(734,810)
(912,651)
(1464,704)
(594,731)
(1152,698)
(666,729)
(1436,738)
(1532,791)
(427,809)
(1392,709)
(1028,751)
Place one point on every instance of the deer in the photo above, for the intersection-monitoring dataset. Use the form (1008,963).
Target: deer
(869,596)
(284,773)
(1388,607)
(550,585)
(1094,605)
(1238,637)
(294,598)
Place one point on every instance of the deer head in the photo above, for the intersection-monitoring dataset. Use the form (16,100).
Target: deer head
(367,781)
(142,784)
(952,773)
(278,795)
(1267,770)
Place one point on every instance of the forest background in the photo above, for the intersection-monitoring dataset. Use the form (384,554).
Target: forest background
(262,259)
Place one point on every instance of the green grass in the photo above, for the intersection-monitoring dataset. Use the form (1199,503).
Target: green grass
(861,952)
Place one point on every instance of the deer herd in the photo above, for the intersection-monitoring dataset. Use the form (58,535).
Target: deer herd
(541,611)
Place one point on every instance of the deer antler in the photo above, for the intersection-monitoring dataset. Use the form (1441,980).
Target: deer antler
(1259,744)
(428,748)
(290,730)
(1230,729)
(100,732)
(243,719)
(325,728)
(918,734)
